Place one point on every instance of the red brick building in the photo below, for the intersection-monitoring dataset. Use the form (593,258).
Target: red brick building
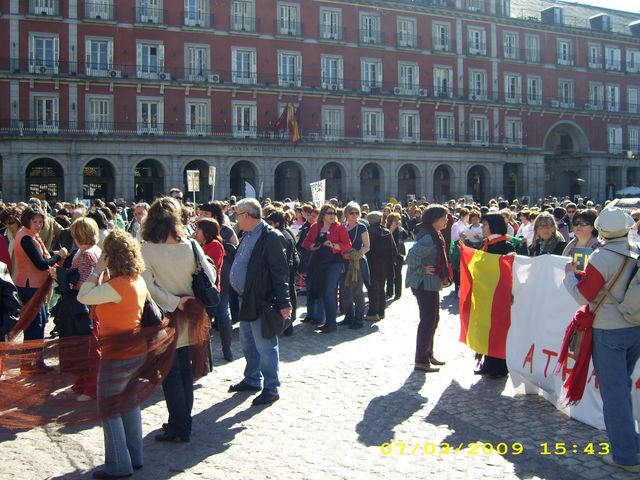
(434,98)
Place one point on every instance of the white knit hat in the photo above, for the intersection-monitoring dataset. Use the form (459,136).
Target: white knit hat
(613,222)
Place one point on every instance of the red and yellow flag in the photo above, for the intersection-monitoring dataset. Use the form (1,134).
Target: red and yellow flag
(485,300)
(293,122)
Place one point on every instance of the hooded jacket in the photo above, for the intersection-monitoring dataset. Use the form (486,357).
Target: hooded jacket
(382,252)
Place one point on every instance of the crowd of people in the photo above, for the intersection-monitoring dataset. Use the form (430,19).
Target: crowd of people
(108,261)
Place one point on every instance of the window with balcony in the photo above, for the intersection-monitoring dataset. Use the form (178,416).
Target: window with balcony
(633,99)
(408,78)
(442,82)
(441,37)
(477,85)
(46,115)
(595,55)
(370,29)
(512,88)
(44,51)
(511,46)
(243,66)
(596,96)
(332,123)
(44,7)
(244,120)
(150,116)
(532,48)
(150,61)
(475,5)
(564,52)
(99,113)
(197,118)
(372,125)
(289,19)
(331,23)
(149,11)
(513,131)
(613,98)
(534,90)
(371,74)
(289,69)
(445,130)
(612,56)
(196,13)
(634,139)
(99,9)
(479,130)
(331,72)
(477,41)
(196,63)
(407,37)
(409,126)
(243,16)
(99,53)
(633,60)
(614,138)
(565,93)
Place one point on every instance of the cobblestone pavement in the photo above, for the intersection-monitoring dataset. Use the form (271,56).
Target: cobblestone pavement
(343,396)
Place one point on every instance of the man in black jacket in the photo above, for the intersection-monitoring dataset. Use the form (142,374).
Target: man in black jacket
(259,276)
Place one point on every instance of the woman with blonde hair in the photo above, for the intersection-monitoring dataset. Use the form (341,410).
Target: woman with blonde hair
(119,304)
(170,262)
(546,238)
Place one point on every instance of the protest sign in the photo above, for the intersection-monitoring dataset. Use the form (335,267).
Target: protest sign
(318,190)
(581,257)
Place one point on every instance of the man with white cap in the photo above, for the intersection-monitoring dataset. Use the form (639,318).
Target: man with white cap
(616,343)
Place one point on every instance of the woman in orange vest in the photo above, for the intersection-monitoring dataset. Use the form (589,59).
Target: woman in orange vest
(119,304)
(32,269)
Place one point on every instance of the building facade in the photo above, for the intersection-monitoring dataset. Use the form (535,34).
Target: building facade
(433,98)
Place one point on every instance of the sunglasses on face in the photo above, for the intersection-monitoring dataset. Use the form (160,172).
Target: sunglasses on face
(571,211)
(581,224)
(353,213)
(330,213)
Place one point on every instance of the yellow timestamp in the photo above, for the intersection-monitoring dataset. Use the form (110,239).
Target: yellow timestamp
(430,448)
(563,448)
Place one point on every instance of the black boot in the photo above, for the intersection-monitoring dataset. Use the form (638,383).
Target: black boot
(226,330)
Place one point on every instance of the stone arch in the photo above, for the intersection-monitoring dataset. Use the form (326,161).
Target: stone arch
(335,175)
(288,176)
(149,177)
(566,138)
(443,182)
(98,179)
(478,183)
(408,176)
(371,184)
(242,171)
(44,178)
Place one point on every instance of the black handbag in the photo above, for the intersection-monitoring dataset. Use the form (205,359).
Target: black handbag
(273,324)
(151,314)
(203,290)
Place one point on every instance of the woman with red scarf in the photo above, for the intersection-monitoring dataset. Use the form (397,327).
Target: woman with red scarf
(494,229)
(428,271)
(32,269)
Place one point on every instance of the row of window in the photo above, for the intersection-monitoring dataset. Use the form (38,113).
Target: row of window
(243,18)
(150,120)
(150,64)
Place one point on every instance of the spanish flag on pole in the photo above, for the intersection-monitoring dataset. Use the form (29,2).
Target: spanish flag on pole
(293,122)
(485,300)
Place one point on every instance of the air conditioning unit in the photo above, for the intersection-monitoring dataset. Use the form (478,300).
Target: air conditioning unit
(422,92)
(115,73)
(588,106)
(473,97)
(292,84)
(555,103)
(214,78)
(334,87)
(397,90)
(42,69)
(164,76)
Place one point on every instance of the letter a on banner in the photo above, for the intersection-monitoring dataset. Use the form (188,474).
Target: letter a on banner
(318,192)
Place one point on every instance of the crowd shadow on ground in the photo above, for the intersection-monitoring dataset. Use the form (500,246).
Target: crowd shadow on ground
(450,302)
(482,414)
(386,412)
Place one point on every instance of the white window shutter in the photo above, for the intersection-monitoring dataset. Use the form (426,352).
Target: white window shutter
(254,69)
(234,62)
(110,54)
(139,58)
(299,68)
(56,51)
(379,74)
(161,57)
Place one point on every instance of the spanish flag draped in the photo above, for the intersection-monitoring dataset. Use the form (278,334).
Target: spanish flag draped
(293,122)
(485,300)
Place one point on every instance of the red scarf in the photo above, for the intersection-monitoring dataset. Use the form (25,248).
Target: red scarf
(488,243)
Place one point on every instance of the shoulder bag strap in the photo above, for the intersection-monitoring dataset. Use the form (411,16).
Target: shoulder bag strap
(607,290)
(195,255)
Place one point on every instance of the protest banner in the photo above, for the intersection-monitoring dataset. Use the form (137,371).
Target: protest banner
(193,182)
(318,191)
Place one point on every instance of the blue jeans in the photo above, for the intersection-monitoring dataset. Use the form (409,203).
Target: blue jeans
(262,356)
(615,353)
(178,393)
(223,314)
(122,433)
(35,331)
(331,277)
